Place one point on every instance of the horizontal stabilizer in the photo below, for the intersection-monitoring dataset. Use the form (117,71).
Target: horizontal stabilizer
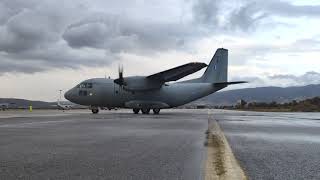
(225,84)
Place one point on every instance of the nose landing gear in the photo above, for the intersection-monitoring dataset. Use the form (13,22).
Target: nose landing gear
(95,110)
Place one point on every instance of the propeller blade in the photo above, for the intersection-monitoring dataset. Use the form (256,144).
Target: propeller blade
(120,80)
(120,72)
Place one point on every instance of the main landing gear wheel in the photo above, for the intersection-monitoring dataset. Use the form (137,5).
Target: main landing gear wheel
(156,110)
(95,110)
(145,110)
(136,110)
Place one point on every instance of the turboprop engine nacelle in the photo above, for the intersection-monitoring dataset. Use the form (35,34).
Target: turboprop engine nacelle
(140,83)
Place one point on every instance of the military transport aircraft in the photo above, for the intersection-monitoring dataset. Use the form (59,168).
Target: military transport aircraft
(153,92)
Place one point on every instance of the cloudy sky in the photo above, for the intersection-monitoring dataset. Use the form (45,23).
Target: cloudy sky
(47,45)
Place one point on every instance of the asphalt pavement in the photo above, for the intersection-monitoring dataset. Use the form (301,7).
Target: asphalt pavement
(110,145)
(277,146)
(121,145)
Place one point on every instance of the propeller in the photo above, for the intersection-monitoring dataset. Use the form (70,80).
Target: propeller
(120,80)
(120,69)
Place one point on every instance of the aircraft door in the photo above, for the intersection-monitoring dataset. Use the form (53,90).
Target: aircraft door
(119,94)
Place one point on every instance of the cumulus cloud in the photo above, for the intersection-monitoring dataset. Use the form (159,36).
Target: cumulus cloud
(119,34)
(30,36)
(48,35)
(289,79)
(285,8)
(38,35)
(245,15)
(33,25)
(281,80)
(206,11)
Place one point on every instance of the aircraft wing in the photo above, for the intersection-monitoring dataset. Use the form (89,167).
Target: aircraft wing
(177,72)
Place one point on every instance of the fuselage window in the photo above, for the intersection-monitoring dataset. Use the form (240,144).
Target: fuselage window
(83,93)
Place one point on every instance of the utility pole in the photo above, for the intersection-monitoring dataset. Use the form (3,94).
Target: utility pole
(60,95)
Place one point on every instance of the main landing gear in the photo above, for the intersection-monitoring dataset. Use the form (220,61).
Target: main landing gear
(136,110)
(156,110)
(146,110)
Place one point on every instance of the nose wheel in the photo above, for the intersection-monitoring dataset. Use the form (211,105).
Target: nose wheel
(95,110)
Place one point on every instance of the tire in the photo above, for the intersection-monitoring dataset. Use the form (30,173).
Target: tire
(145,110)
(156,110)
(136,110)
(95,111)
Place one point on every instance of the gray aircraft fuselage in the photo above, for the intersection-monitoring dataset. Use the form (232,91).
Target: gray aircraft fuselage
(105,93)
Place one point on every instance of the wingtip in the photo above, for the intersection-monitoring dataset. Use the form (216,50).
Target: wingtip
(200,63)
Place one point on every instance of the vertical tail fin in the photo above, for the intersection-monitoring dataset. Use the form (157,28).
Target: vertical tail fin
(217,71)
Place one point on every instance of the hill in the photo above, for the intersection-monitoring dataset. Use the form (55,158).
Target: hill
(23,103)
(307,105)
(261,94)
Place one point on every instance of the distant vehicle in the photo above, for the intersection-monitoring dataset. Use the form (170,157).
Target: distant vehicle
(65,106)
(153,92)
(4,106)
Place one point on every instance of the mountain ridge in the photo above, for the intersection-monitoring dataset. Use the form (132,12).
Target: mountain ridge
(262,94)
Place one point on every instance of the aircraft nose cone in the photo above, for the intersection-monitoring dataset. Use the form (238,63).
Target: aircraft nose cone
(68,95)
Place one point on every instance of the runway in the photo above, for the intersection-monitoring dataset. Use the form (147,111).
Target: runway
(120,145)
(110,145)
(274,145)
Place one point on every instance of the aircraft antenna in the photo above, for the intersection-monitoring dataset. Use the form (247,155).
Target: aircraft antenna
(222,42)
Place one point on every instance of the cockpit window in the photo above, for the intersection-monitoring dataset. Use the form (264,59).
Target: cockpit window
(83,93)
(84,85)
